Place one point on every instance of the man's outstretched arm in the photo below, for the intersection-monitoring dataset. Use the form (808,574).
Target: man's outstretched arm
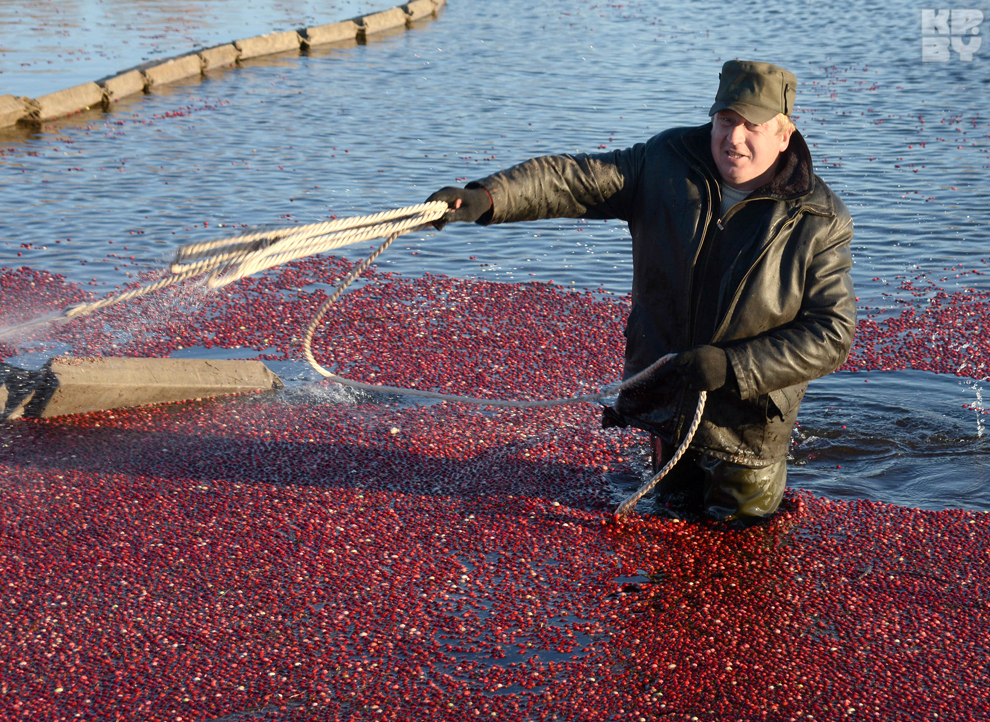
(554,186)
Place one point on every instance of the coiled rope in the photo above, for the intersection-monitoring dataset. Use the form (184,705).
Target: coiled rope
(230,259)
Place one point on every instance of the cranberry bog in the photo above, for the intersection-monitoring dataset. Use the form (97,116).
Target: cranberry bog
(322,555)
(328,555)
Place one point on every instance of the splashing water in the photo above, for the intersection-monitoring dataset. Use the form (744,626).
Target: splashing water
(978,408)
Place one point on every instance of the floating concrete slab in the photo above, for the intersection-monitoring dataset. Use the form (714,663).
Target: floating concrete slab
(385,20)
(11,110)
(170,71)
(268,44)
(68,101)
(120,86)
(420,9)
(332,33)
(222,56)
(68,385)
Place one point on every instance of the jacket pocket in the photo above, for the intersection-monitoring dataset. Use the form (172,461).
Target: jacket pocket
(785,401)
(734,426)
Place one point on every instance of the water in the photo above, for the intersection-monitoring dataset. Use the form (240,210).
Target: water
(902,437)
(46,47)
(354,130)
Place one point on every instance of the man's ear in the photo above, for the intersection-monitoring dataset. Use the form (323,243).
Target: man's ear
(785,139)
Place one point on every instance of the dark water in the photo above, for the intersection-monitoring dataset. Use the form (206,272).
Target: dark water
(354,130)
(902,437)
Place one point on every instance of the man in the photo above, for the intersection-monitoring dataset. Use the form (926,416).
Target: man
(741,266)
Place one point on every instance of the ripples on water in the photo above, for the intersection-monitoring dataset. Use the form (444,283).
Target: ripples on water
(353,130)
(46,47)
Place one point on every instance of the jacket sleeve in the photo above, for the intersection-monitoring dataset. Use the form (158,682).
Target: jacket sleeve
(818,341)
(565,186)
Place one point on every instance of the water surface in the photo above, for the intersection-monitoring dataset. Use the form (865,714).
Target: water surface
(49,46)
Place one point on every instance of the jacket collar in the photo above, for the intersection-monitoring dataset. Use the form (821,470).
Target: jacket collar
(795,177)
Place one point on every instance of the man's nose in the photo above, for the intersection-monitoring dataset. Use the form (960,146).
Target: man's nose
(737,133)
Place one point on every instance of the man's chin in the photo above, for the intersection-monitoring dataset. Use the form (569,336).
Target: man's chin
(736,178)
(733,180)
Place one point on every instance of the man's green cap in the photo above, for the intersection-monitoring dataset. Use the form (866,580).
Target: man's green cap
(757,91)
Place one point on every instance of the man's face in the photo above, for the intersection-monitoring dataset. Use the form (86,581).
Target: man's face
(745,153)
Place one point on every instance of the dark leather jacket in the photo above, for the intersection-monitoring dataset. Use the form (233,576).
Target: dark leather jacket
(775,285)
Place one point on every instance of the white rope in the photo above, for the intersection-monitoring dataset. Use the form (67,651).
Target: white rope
(262,250)
(626,507)
(229,259)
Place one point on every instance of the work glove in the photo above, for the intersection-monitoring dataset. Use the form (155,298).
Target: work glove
(464,204)
(703,368)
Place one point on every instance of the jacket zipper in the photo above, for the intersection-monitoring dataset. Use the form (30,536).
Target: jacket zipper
(728,274)
(742,282)
(694,263)
(720,224)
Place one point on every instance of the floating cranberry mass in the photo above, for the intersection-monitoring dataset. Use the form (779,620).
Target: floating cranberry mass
(327,555)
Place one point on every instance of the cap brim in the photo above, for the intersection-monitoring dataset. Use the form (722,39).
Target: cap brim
(752,113)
